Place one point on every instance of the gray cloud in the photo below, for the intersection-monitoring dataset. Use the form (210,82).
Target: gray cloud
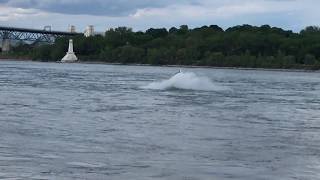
(111,8)
(93,7)
(143,14)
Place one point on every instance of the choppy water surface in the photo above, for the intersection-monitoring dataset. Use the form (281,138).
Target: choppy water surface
(85,121)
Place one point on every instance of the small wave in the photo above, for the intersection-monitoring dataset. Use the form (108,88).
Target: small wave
(184,80)
(86,165)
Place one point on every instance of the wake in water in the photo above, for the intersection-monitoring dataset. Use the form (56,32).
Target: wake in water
(184,80)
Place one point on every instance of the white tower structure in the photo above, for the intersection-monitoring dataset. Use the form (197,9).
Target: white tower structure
(89,31)
(70,56)
(72,29)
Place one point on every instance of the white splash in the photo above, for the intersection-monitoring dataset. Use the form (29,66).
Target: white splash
(184,80)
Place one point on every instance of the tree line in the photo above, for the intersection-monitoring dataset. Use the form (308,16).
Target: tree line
(238,46)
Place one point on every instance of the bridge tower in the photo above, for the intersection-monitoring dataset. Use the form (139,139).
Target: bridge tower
(5,43)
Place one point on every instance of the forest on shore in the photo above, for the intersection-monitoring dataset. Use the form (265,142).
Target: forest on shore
(239,46)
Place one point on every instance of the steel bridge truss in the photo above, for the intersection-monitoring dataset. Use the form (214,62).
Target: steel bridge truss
(32,35)
(28,36)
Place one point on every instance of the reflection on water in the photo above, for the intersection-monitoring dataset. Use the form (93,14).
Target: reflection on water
(79,121)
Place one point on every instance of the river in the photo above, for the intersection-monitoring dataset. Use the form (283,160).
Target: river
(94,121)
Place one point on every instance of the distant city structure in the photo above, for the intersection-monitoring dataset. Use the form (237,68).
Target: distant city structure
(72,29)
(47,28)
(89,31)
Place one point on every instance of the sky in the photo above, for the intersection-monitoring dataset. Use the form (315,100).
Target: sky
(143,14)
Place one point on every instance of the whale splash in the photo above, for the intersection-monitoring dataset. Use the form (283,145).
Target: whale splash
(184,80)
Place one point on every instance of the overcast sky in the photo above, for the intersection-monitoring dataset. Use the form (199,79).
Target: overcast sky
(143,14)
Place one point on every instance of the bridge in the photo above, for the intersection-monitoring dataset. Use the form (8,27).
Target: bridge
(31,35)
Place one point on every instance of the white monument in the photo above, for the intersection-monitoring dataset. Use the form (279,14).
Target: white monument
(70,56)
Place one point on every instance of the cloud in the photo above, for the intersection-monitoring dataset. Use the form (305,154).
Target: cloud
(196,11)
(143,14)
(91,7)
(12,14)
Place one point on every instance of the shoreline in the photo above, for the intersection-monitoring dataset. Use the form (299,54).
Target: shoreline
(177,66)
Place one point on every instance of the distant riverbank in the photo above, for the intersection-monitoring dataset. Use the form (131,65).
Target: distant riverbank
(296,69)
(243,46)
(14,58)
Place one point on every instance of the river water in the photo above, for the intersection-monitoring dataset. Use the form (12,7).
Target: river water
(93,121)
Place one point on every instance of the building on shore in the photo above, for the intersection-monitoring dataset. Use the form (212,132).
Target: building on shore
(89,31)
(72,29)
